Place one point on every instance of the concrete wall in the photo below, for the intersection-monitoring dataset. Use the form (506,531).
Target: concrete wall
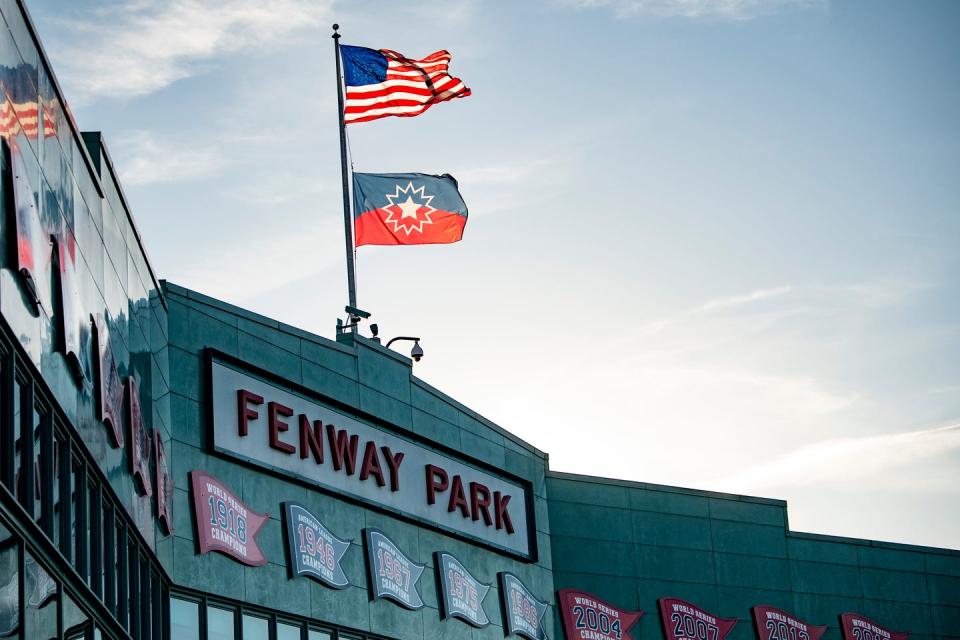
(376,381)
(631,543)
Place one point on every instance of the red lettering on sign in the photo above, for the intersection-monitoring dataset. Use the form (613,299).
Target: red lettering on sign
(275,409)
(371,464)
(458,499)
(500,502)
(311,439)
(244,413)
(343,449)
(437,482)
(393,462)
(480,503)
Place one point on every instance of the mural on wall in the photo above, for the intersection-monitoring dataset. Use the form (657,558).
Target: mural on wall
(777,624)
(311,549)
(856,626)
(140,441)
(392,574)
(461,595)
(224,523)
(587,617)
(683,620)
(109,387)
(522,612)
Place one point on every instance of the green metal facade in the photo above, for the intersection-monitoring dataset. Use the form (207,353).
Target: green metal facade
(628,543)
(378,382)
(631,543)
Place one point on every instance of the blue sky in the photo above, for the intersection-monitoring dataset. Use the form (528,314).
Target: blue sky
(712,243)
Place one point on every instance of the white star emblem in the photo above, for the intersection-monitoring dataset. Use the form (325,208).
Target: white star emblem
(411,213)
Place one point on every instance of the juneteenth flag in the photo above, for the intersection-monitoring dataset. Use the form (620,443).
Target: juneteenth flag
(407,208)
(385,83)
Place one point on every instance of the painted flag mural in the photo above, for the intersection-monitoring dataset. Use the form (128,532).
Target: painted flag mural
(407,208)
(385,83)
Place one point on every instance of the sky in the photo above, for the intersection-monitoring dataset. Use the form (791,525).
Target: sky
(712,243)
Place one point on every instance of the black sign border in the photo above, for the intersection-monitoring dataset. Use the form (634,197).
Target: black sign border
(290,545)
(211,355)
(371,574)
(442,586)
(505,606)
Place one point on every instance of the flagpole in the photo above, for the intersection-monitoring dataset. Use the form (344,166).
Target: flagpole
(347,214)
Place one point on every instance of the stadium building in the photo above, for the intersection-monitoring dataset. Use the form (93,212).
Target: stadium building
(173,466)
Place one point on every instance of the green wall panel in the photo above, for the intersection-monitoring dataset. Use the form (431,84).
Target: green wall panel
(738,570)
(673,563)
(590,521)
(669,502)
(755,513)
(831,579)
(730,553)
(744,537)
(821,551)
(669,530)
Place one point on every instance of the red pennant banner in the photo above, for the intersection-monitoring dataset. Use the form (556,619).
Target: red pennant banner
(110,399)
(141,440)
(224,523)
(685,621)
(777,624)
(586,617)
(164,484)
(859,627)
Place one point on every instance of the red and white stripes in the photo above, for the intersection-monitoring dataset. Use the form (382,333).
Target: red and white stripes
(410,88)
(15,118)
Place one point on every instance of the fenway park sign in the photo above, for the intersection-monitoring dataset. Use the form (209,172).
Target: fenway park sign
(268,422)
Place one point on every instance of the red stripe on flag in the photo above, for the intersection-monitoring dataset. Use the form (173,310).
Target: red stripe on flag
(446,227)
(395,96)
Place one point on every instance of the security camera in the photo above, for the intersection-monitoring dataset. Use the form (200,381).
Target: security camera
(417,352)
(360,313)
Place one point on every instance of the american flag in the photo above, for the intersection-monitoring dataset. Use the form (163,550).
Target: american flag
(22,116)
(385,83)
(20,104)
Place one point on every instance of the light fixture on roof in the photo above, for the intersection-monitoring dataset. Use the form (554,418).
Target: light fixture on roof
(416,353)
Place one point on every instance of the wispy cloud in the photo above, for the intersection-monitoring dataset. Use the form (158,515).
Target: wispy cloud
(880,293)
(143,46)
(282,259)
(724,9)
(520,171)
(282,189)
(144,159)
(845,460)
(740,300)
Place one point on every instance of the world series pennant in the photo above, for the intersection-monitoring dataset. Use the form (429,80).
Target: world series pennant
(683,620)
